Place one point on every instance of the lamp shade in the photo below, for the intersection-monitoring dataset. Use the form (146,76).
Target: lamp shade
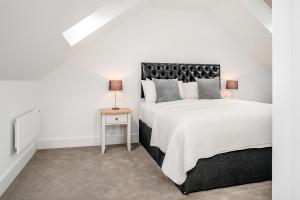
(115,85)
(232,84)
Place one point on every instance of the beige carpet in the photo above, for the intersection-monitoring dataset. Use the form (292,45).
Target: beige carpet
(84,174)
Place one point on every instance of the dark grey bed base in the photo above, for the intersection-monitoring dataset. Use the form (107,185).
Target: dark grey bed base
(223,170)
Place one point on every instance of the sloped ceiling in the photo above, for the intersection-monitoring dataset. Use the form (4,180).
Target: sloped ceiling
(247,29)
(31,40)
(187,5)
(269,3)
(32,44)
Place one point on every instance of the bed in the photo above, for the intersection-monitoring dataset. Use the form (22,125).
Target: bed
(205,144)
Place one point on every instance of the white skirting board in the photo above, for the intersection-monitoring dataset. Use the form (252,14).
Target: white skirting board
(17,167)
(82,141)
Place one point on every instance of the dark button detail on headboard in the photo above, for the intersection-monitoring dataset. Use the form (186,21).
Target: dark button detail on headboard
(184,72)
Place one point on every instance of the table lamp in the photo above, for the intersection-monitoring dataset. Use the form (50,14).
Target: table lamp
(115,85)
(232,85)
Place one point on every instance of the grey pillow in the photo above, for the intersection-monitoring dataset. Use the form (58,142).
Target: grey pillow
(166,90)
(209,88)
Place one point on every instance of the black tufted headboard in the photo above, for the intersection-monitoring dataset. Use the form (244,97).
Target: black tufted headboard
(183,72)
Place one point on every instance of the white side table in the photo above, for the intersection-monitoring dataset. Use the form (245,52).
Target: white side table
(110,117)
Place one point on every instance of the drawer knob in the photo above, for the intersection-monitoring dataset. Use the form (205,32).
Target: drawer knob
(117,119)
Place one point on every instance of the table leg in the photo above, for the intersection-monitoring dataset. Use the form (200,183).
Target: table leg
(102,134)
(129,133)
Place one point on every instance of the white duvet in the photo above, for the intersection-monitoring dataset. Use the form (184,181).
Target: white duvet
(189,130)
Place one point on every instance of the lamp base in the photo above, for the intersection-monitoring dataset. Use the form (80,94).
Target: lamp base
(116,108)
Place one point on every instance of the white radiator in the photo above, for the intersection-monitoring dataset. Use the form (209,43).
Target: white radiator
(27,129)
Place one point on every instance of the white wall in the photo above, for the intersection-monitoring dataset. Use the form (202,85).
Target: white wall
(236,18)
(286,96)
(71,95)
(16,98)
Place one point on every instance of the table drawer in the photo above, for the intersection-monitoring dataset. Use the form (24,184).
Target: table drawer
(116,119)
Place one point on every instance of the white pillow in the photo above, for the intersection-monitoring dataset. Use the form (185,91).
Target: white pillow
(190,90)
(180,86)
(149,90)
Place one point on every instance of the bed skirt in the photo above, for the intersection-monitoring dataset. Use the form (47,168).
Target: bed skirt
(222,170)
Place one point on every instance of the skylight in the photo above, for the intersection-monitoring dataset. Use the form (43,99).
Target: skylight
(96,20)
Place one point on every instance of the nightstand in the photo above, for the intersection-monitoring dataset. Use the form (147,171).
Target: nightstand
(110,117)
